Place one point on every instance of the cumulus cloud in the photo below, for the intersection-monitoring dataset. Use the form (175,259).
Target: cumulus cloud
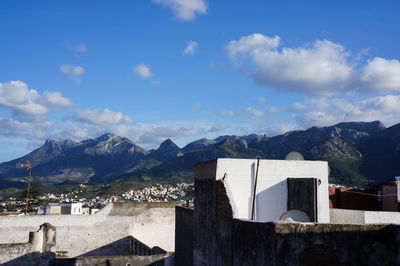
(21,100)
(381,75)
(185,9)
(72,72)
(325,112)
(297,107)
(320,69)
(101,117)
(77,48)
(154,134)
(225,112)
(142,71)
(218,128)
(190,48)
(257,114)
(261,99)
(13,128)
(56,99)
(280,128)
(27,104)
(196,108)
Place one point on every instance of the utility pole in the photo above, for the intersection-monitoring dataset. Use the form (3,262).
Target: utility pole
(28,167)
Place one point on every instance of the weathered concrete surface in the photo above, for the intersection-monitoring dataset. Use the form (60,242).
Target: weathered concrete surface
(154,260)
(239,242)
(344,216)
(39,249)
(78,235)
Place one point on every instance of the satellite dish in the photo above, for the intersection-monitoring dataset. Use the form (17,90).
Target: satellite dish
(294,156)
(295,215)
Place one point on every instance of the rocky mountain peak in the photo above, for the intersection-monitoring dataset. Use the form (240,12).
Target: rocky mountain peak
(167,150)
(168,144)
(105,136)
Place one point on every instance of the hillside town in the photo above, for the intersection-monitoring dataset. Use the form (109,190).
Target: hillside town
(47,203)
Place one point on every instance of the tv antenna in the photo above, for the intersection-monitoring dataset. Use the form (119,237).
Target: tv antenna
(28,167)
(294,156)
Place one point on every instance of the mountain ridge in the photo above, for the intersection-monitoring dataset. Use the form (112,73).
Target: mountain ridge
(351,148)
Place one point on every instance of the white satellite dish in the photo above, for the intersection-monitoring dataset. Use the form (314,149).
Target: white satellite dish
(294,156)
(295,215)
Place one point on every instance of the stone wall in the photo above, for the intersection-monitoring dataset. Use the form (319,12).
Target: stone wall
(184,236)
(239,242)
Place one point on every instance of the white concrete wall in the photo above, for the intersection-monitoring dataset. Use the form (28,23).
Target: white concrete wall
(271,195)
(372,217)
(343,216)
(80,234)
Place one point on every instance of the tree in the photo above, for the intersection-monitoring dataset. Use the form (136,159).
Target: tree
(34,193)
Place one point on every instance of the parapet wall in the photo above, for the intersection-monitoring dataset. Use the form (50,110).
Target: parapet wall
(239,242)
(38,250)
(344,216)
(151,224)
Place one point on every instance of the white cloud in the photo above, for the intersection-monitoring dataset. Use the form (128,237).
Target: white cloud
(196,108)
(225,112)
(13,128)
(77,48)
(319,69)
(155,82)
(218,128)
(76,131)
(281,128)
(212,65)
(381,75)
(56,99)
(72,72)
(261,99)
(154,134)
(142,71)
(185,9)
(297,107)
(259,114)
(326,112)
(22,100)
(103,117)
(27,104)
(190,48)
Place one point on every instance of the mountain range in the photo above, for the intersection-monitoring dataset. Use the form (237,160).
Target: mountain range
(357,152)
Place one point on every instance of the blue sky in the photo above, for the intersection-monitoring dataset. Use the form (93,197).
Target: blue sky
(187,69)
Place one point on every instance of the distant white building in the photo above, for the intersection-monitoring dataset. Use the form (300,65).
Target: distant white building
(61,208)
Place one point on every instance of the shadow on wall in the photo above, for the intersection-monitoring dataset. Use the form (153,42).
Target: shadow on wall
(40,250)
(269,204)
(124,246)
(33,258)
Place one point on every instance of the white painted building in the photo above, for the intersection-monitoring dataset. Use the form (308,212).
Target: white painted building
(61,208)
(271,200)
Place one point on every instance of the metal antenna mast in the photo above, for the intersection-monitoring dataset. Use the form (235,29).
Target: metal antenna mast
(28,167)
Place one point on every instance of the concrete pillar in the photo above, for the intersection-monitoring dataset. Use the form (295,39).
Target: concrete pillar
(36,240)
